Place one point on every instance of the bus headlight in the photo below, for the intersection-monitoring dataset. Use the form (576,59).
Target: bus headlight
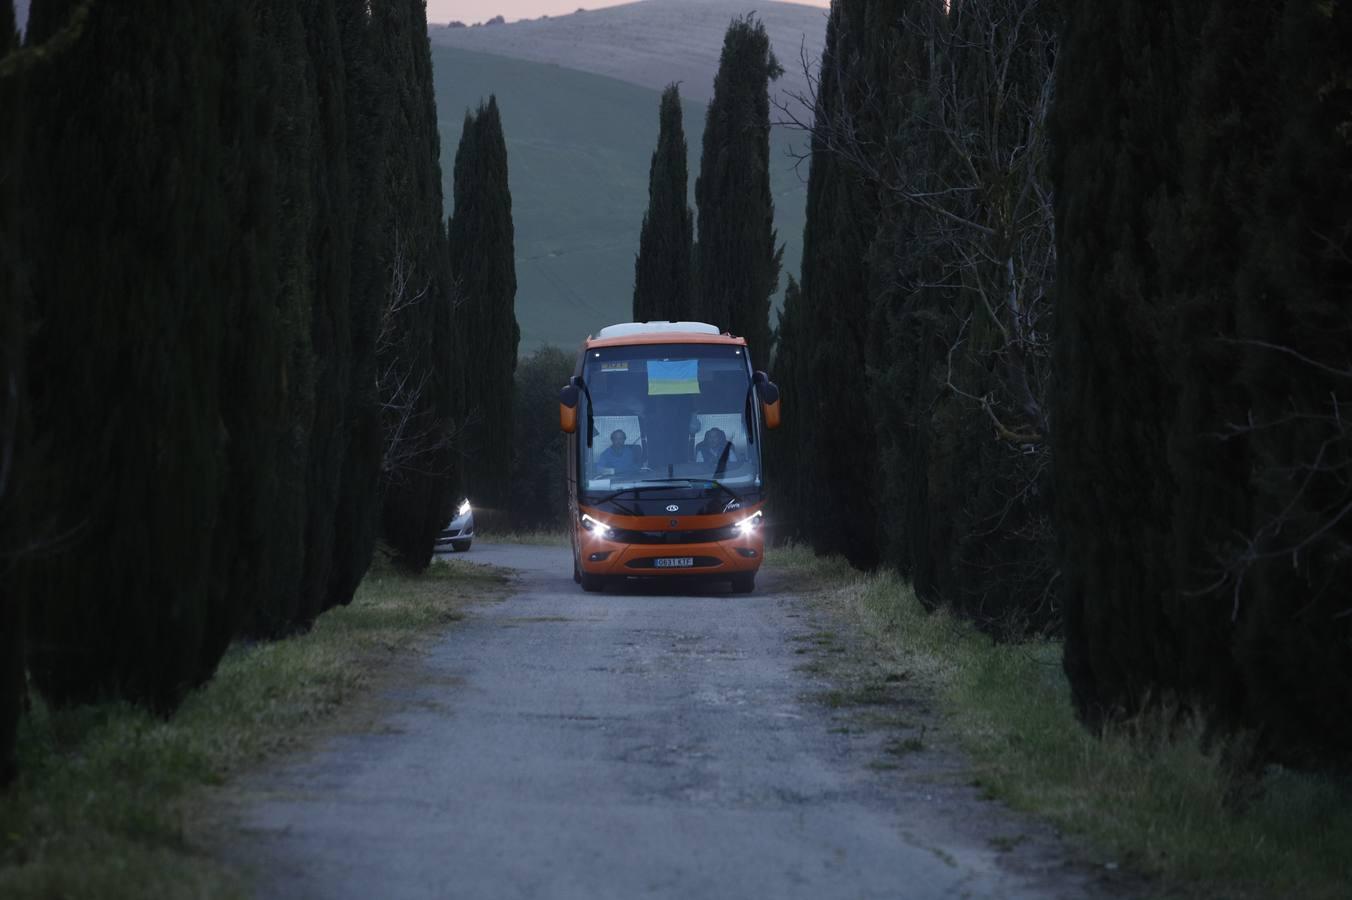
(748,526)
(600,529)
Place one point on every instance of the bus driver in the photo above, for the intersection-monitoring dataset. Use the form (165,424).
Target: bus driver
(619,456)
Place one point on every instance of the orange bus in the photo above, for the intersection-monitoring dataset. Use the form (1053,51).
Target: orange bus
(665,477)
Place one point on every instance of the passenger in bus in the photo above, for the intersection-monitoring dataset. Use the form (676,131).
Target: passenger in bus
(710,450)
(619,456)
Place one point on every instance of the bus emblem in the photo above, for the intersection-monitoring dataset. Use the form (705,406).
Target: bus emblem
(672,507)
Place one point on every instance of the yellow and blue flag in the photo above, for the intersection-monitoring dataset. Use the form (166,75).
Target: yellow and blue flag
(667,376)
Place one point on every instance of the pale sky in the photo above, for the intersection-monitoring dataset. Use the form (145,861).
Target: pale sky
(471,11)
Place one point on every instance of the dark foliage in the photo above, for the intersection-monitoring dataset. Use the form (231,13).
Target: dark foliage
(662,271)
(483,266)
(368,133)
(917,345)
(192,281)
(788,471)
(268,360)
(13,437)
(244,576)
(539,500)
(1292,576)
(738,264)
(1113,485)
(9,32)
(973,235)
(414,352)
(328,246)
(125,224)
(836,443)
(1204,275)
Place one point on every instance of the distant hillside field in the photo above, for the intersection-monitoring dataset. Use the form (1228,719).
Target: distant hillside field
(652,43)
(579,146)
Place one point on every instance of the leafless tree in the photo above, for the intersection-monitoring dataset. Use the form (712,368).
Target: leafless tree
(963,163)
(1312,494)
(413,437)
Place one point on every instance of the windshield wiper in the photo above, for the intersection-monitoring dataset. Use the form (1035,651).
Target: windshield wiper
(637,489)
(686,482)
(671,484)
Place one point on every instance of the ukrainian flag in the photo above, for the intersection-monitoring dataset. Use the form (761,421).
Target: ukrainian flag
(667,376)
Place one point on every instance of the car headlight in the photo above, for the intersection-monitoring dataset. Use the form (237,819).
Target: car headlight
(464,508)
(600,529)
(748,526)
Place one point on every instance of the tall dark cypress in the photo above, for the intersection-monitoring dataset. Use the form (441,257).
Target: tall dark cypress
(328,255)
(358,512)
(483,266)
(280,604)
(9,32)
(414,355)
(12,391)
(662,273)
(244,552)
(1295,292)
(1198,241)
(539,454)
(839,449)
(126,217)
(1113,487)
(899,352)
(737,262)
(786,475)
(1202,363)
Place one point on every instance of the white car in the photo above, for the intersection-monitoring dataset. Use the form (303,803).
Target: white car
(459,532)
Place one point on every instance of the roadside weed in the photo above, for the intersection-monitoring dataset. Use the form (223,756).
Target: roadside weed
(105,797)
(1162,800)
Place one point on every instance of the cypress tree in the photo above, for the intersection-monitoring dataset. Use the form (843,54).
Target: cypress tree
(416,354)
(279,604)
(9,34)
(12,388)
(899,353)
(984,256)
(1198,237)
(1116,152)
(328,254)
(482,253)
(738,264)
(1286,111)
(126,218)
(358,513)
(784,456)
(1213,579)
(539,455)
(839,450)
(252,401)
(662,273)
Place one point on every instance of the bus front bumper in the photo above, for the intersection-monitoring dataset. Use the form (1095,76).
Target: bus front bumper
(720,559)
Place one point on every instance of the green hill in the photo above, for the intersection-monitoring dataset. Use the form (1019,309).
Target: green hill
(578,148)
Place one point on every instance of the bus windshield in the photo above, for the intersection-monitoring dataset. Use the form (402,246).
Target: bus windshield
(666,413)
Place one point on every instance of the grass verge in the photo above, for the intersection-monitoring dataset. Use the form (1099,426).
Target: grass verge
(1164,804)
(105,792)
(537,538)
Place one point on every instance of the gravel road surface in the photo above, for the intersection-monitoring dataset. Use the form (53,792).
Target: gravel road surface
(563,744)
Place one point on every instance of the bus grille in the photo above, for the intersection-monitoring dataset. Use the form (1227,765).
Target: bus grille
(703,536)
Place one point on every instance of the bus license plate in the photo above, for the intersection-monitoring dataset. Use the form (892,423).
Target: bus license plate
(674,562)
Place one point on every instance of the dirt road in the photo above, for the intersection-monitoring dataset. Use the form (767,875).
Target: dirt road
(562,744)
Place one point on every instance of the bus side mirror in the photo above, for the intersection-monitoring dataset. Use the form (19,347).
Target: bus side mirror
(568,409)
(768,392)
(771,412)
